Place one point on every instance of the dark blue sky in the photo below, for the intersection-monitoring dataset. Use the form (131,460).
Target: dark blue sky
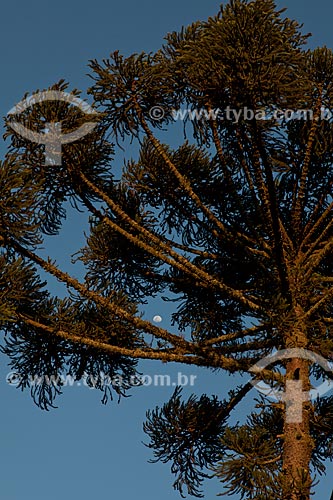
(85,450)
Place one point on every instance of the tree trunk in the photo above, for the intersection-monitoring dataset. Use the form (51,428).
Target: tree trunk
(298,445)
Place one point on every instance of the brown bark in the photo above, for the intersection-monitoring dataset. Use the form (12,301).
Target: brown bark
(298,445)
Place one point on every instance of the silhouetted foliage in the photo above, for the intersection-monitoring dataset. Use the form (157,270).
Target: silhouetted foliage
(234,224)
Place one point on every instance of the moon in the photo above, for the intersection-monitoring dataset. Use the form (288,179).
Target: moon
(157,319)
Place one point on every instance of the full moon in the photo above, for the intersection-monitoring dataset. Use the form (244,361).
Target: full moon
(157,319)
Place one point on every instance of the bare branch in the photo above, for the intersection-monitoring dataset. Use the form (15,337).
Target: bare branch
(297,209)
(179,261)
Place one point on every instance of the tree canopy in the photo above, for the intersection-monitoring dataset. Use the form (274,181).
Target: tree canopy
(234,224)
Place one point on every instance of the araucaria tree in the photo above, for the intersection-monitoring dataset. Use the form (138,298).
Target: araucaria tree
(235,224)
